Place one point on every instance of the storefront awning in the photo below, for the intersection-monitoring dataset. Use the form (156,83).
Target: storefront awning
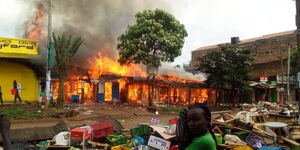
(261,85)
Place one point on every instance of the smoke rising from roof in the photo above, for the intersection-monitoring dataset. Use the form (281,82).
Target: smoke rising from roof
(177,71)
(99,22)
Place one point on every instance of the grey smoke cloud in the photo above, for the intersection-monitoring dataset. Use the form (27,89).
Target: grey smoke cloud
(99,22)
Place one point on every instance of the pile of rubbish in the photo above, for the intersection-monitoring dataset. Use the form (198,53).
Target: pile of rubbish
(265,126)
(108,135)
(262,126)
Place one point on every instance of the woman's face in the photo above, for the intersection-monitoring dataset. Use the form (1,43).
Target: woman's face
(197,121)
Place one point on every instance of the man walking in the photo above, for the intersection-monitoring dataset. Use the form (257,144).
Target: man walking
(17,88)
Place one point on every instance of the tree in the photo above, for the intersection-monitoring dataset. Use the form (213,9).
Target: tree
(229,69)
(156,37)
(65,48)
(294,61)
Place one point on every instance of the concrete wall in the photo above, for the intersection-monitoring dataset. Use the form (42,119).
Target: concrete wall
(267,54)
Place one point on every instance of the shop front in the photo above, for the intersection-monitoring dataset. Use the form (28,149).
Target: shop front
(15,66)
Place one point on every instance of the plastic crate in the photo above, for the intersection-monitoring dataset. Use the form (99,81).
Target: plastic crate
(225,130)
(241,134)
(77,134)
(270,148)
(102,129)
(120,147)
(173,121)
(116,138)
(139,131)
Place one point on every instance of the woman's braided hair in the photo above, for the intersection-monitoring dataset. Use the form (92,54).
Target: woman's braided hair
(183,136)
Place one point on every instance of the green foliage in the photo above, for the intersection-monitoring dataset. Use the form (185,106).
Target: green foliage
(65,48)
(156,37)
(17,112)
(228,69)
(170,109)
(295,67)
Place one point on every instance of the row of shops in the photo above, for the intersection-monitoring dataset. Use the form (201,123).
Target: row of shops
(115,89)
(15,64)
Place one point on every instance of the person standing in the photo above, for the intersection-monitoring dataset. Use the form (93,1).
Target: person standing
(17,88)
(194,130)
(1,99)
(4,131)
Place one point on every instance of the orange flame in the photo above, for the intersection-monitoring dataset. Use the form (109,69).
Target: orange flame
(105,65)
(108,91)
(172,77)
(138,93)
(35,30)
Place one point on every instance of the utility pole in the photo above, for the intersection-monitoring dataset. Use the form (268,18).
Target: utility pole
(48,69)
(298,46)
(288,73)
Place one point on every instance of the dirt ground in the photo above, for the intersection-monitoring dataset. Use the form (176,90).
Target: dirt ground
(128,116)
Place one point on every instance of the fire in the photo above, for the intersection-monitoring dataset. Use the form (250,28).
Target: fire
(35,29)
(172,77)
(199,95)
(116,82)
(108,91)
(138,93)
(105,65)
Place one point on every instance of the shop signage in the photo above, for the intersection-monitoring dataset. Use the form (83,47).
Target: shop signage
(263,79)
(16,48)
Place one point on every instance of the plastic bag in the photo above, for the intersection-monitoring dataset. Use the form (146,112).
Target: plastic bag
(255,141)
(233,140)
(62,138)
(171,130)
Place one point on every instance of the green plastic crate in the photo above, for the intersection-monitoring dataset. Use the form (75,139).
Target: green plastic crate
(241,134)
(116,138)
(225,129)
(139,131)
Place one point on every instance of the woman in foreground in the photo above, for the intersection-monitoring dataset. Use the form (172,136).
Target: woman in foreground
(194,130)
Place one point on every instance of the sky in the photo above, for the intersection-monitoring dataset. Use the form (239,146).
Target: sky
(206,21)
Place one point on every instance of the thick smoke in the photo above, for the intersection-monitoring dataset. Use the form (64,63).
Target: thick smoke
(99,22)
(167,69)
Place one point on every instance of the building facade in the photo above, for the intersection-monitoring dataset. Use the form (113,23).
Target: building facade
(270,54)
(15,65)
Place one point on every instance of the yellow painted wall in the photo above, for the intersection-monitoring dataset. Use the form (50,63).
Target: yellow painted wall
(10,71)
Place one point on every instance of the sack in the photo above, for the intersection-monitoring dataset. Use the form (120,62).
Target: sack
(13,91)
(233,140)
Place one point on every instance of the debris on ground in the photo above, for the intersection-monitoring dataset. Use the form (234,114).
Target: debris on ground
(260,126)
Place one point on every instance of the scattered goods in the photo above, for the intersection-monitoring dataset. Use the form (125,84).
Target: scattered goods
(265,126)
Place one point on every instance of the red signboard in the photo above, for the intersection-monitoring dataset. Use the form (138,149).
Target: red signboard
(263,79)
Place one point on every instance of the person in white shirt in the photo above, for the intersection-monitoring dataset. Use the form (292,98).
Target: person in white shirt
(17,88)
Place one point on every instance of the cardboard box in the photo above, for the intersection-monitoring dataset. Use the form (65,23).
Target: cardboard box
(159,143)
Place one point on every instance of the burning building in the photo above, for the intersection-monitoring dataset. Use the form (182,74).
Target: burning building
(108,81)
(96,75)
